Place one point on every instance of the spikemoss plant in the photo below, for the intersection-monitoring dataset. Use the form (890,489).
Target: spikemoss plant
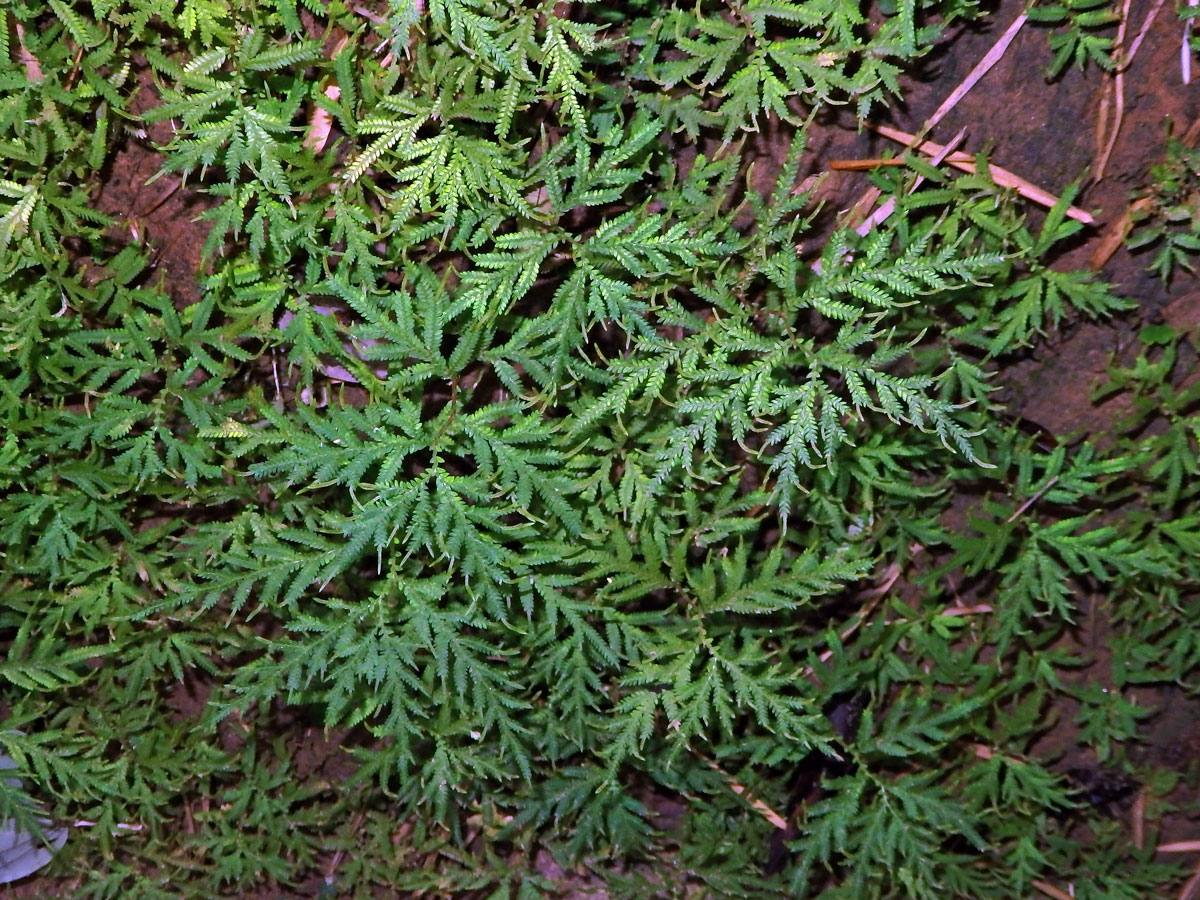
(516,440)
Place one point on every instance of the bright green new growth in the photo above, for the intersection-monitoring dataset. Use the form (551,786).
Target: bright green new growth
(514,434)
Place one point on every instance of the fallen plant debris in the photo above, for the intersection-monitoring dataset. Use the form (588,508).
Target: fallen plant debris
(470,448)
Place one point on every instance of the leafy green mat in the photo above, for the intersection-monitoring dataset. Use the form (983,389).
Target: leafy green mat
(514,437)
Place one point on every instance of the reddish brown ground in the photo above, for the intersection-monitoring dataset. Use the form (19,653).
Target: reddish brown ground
(1047,133)
(162,214)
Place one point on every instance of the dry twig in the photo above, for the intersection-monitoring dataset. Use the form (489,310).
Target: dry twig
(1115,234)
(1114,88)
(881,214)
(1192,134)
(332,867)
(1001,176)
(990,59)
(1119,228)
(890,576)
(973,77)
(1179,847)
(29,62)
(862,165)
(1137,41)
(756,804)
(1137,817)
(1185,49)
(889,207)
(1191,890)
(1032,500)
(1051,891)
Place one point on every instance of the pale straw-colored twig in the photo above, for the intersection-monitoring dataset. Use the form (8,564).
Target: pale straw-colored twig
(887,208)
(755,803)
(1179,847)
(1051,891)
(1141,36)
(1114,88)
(973,77)
(1137,820)
(1191,890)
(1032,500)
(1001,176)
(990,59)
(1185,50)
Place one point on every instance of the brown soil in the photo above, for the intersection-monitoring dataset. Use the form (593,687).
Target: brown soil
(155,208)
(1046,132)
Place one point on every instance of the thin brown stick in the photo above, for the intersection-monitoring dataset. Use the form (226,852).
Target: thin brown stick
(1117,88)
(860,209)
(990,59)
(862,165)
(1101,120)
(368,15)
(1179,847)
(1032,500)
(859,165)
(981,68)
(881,214)
(1191,890)
(1001,176)
(867,200)
(1192,134)
(161,200)
(888,581)
(890,576)
(1051,891)
(1137,41)
(70,83)
(1137,820)
(756,804)
(331,869)
(1115,234)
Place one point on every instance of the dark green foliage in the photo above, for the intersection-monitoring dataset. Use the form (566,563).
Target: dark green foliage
(1083,32)
(1167,216)
(513,440)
